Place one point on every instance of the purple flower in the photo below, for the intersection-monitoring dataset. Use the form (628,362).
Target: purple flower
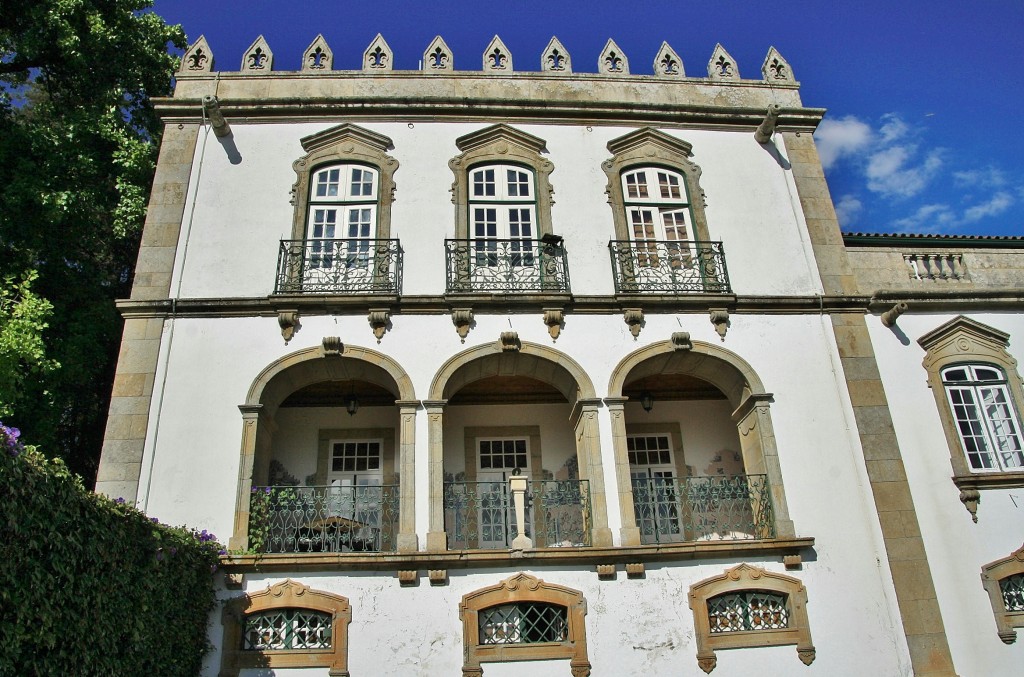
(154,520)
(119,500)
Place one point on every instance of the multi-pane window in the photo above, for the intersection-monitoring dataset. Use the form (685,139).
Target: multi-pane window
(503,454)
(287,629)
(748,610)
(502,214)
(987,424)
(657,210)
(1012,589)
(342,219)
(655,491)
(523,623)
(356,456)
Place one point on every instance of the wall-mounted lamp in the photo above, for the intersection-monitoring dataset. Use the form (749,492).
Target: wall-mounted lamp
(646,401)
(352,406)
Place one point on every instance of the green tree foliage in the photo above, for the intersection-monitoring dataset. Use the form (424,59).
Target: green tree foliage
(23,317)
(77,152)
(93,587)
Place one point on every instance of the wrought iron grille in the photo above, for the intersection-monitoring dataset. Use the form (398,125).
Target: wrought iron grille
(748,610)
(678,267)
(284,629)
(524,623)
(1012,588)
(726,507)
(518,265)
(482,515)
(339,266)
(323,519)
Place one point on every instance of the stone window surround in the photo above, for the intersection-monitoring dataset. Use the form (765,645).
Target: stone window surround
(966,341)
(287,594)
(648,147)
(741,385)
(504,145)
(745,577)
(523,587)
(344,143)
(991,575)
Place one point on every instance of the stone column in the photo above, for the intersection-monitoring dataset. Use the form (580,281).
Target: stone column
(761,457)
(629,532)
(588,452)
(437,539)
(407,539)
(250,422)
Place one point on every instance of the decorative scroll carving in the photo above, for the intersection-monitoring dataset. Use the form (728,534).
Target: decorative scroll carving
(722,66)
(667,63)
(462,318)
(971,498)
(554,318)
(612,61)
(198,58)
(438,58)
(720,318)
(258,59)
(510,342)
(681,341)
(776,69)
(555,58)
(318,57)
(289,323)
(634,317)
(497,57)
(378,56)
(379,319)
(333,347)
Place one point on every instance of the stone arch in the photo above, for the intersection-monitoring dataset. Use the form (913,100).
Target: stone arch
(538,362)
(742,387)
(304,367)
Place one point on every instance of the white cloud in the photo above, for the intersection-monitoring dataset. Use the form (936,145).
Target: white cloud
(848,209)
(839,138)
(989,177)
(927,219)
(893,128)
(893,171)
(997,204)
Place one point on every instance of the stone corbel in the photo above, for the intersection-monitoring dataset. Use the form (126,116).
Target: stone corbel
(288,320)
(407,577)
(510,342)
(554,318)
(333,347)
(438,576)
(379,318)
(635,570)
(681,340)
(606,572)
(462,318)
(707,662)
(634,317)
(971,498)
(720,318)
(234,581)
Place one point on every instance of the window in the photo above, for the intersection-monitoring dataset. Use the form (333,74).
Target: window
(658,211)
(1004,582)
(748,606)
(523,618)
(288,625)
(656,496)
(978,395)
(985,420)
(342,222)
(503,215)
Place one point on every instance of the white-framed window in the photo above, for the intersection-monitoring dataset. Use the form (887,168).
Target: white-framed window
(656,499)
(502,207)
(657,211)
(984,416)
(355,496)
(342,215)
(498,460)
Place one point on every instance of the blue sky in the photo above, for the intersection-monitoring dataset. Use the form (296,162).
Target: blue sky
(924,132)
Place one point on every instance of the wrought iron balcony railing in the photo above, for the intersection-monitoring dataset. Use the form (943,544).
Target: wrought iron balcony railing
(481,514)
(505,266)
(339,267)
(677,267)
(712,508)
(323,519)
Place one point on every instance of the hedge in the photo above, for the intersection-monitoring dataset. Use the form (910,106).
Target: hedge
(91,586)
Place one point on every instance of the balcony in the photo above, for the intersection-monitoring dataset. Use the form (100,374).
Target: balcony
(481,515)
(716,508)
(339,267)
(286,519)
(506,266)
(669,267)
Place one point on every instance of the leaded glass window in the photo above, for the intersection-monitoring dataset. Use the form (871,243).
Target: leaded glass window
(523,623)
(1012,588)
(287,629)
(985,418)
(748,610)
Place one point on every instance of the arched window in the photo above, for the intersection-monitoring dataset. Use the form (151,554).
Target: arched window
(986,421)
